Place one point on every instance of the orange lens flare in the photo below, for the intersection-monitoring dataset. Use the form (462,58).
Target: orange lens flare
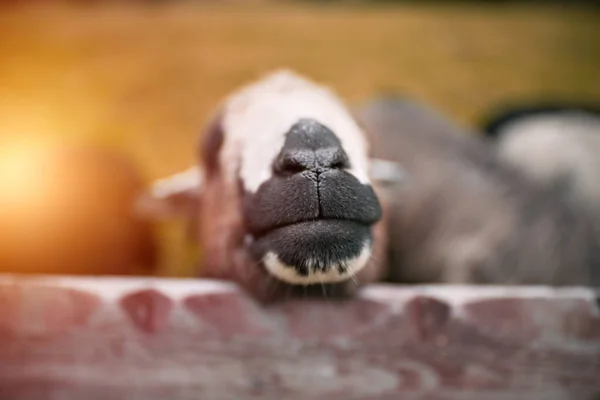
(22,183)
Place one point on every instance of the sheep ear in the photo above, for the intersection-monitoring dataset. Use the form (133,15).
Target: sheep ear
(387,172)
(173,196)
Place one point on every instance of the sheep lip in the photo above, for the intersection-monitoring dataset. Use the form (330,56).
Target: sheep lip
(265,232)
(324,242)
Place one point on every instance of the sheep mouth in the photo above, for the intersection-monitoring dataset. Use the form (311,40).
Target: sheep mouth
(311,227)
(324,250)
(305,232)
(284,203)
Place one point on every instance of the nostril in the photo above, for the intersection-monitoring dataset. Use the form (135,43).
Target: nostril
(341,163)
(293,162)
(333,158)
(310,147)
(297,161)
(291,165)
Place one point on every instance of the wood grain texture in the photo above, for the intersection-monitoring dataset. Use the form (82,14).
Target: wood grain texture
(76,338)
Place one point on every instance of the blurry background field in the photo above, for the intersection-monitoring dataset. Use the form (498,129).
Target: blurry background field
(144,78)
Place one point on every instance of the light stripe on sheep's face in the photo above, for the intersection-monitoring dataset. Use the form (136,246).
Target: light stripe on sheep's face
(299,162)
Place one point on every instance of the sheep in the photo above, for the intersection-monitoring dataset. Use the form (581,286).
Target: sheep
(287,199)
(298,194)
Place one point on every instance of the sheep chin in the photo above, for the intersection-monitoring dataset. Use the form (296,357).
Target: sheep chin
(333,274)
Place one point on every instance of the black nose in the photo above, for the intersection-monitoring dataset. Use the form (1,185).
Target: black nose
(310,146)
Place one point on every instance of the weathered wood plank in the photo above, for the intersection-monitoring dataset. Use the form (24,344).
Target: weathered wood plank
(77,338)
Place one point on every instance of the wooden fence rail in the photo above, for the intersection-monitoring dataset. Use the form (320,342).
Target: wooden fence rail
(154,339)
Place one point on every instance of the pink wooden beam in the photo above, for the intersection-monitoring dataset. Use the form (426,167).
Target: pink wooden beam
(113,338)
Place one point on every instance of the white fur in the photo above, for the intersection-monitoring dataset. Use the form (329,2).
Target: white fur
(289,274)
(549,147)
(257,117)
